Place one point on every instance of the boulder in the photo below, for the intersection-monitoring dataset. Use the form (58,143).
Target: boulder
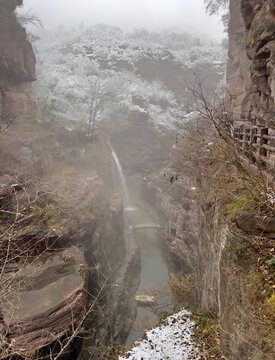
(256,224)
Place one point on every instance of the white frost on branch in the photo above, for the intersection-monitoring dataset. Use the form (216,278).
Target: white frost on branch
(69,61)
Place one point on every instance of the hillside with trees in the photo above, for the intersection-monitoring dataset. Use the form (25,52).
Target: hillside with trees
(87,74)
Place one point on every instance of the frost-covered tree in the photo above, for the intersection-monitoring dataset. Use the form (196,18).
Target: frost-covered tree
(97,99)
(214,6)
(87,74)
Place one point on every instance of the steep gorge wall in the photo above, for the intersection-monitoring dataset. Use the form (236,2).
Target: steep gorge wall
(223,259)
(90,217)
(251,79)
(230,281)
(251,67)
(221,253)
(17,65)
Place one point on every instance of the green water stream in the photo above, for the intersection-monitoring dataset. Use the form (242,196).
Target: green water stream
(154,275)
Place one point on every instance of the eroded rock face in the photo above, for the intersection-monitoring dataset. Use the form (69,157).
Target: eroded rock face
(17,64)
(251,68)
(48,296)
(244,335)
(238,76)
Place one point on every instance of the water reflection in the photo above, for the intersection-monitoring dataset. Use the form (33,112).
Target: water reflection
(154,276)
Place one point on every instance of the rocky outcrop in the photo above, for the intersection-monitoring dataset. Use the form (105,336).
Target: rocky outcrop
(230,267)
(74,205)
(112,253)
(176,207)
(47,301)
(227,260)
(245,332)
(17,65)
(251,68)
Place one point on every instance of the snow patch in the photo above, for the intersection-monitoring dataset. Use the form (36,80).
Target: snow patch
(173,340)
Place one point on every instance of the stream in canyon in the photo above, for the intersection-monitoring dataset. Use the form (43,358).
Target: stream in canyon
(154,274)
(155,271)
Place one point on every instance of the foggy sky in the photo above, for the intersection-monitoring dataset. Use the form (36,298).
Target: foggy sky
(128,14)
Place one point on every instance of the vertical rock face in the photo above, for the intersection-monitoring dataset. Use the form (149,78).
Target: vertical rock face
(17,64)
(251,68)
(238,76)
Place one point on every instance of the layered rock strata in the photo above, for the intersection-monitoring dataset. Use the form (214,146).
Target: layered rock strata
(45,304)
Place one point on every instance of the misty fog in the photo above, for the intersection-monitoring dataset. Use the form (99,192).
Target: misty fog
(154,15)
(136,182)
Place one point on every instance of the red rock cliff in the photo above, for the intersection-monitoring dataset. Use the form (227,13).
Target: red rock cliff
(251,68)
(17,64)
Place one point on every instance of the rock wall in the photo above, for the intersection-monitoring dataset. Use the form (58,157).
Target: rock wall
(88,216)
(251,67)
(229,268)
(176,218)
(17,65)
(245,334)
(39,309)
(238,75)
(112,254)
(223,259)
(223,255)
(91,210)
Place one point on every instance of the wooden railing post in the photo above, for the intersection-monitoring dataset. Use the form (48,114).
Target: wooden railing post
(263,141)
(245,139)
(253,140)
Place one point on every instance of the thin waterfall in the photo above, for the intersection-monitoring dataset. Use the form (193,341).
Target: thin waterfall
(122,180)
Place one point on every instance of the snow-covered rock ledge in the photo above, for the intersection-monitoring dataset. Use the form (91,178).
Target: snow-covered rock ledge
(173,340)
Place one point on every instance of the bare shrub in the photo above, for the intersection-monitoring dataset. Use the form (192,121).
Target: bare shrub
(28,18)
(206,148)
(183,289)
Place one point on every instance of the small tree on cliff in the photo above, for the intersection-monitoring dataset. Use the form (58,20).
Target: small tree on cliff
(232,174)
(214,6)
(96,102)
(28,18)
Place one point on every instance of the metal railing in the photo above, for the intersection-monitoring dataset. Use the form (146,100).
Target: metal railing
(257,143)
